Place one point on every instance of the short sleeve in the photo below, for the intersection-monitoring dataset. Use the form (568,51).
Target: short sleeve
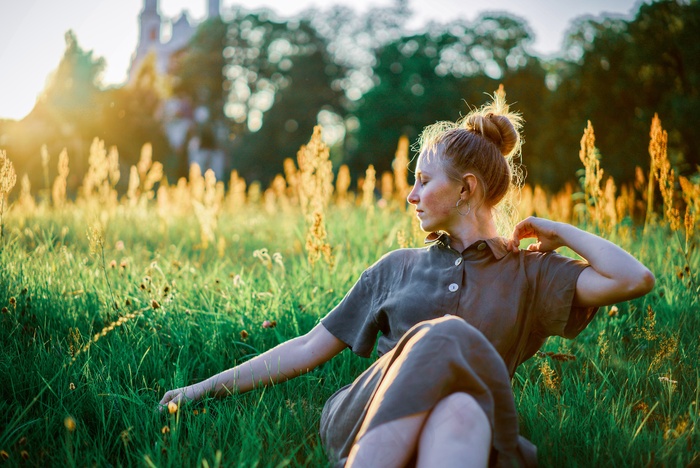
(554,295)
(353,320)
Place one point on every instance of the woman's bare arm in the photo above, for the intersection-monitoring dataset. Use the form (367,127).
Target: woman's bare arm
(287,360)
(615,275)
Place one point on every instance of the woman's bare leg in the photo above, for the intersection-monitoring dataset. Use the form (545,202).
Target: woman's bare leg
(389,445)
(457,433)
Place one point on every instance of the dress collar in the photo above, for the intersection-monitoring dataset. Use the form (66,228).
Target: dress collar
(498,245)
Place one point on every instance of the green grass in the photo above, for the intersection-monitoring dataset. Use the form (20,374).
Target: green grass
(610,408)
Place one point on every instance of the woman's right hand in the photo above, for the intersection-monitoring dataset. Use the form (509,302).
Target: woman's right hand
(180,395)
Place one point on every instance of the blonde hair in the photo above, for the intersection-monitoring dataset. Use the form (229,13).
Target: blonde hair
(486,141)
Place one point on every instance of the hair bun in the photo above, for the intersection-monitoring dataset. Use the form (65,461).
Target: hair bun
(496,128)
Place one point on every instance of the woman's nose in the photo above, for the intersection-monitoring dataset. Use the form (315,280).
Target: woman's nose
(412,196)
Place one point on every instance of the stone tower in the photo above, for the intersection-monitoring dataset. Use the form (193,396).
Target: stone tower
(214,10)
(149,27)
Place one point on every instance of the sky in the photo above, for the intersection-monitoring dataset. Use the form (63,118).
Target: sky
(32,31)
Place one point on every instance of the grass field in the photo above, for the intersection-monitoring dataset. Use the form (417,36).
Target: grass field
(163,292)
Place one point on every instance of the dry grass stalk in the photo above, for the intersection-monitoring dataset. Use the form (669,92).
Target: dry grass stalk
(400,166)
(26,200)
(235,199)
(342,184)
(526,204)
(315,192)
(208,209)
(561,205)
(386,189)
(278,189)
(254,193)
(539,202)
(658,150)
(610,205)
(315,175)
(196,183)
(593,194)
(60,184)
(291,176)
(368,188)
(45,159)
(102,176)
(549,376)
(8,179)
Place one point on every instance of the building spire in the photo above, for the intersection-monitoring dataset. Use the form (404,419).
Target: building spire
(214,10)
(150,5)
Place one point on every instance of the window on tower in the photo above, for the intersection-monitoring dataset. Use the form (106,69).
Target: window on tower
(152,35)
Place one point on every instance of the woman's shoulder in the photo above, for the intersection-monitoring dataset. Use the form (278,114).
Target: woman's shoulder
(398,259)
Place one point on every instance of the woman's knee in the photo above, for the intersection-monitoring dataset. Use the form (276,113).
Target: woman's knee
(449,325)
(459,413)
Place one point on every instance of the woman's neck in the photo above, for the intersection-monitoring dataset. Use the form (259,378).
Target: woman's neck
(473,228)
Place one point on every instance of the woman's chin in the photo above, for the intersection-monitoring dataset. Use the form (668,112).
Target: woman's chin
(425,226)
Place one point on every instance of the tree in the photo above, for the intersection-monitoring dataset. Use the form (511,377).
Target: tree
(66,115)
(428,77)
(617,74)
(131,116)
(267,80)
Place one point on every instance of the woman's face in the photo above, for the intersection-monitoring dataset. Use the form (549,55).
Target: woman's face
(435,195)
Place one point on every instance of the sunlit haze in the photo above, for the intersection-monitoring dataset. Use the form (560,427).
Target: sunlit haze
(32,43)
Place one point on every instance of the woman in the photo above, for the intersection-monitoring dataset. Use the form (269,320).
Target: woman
(456,318)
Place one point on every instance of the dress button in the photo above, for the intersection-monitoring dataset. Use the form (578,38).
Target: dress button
(481,246)
(453,287)
(458,262)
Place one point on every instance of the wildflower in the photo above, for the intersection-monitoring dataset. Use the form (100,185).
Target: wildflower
(172,407)
(24,454)
(155,304)
(71,387)
(613,311)
(113,264)
(195,412)
(13,301)
(204,411)
(165,429)
(244,334)
(666,379)
(550,377)
(96,237)
(4,310)
(123,264)
(119,245)
(4,455)
(269,324)
(69,422)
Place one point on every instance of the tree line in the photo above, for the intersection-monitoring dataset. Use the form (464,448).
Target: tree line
(265,81)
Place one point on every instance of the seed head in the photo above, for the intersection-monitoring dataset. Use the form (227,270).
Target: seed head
(69,422)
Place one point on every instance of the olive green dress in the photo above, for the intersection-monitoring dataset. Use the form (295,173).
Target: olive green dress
(452,322)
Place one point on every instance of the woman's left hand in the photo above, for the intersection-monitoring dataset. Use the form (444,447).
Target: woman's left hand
(544,230)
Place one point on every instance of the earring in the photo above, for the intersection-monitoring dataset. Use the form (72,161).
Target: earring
(469,207)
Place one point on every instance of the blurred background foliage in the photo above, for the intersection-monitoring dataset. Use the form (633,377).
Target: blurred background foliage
(368,79)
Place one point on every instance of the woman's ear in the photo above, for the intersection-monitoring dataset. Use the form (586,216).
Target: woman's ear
(469,183)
